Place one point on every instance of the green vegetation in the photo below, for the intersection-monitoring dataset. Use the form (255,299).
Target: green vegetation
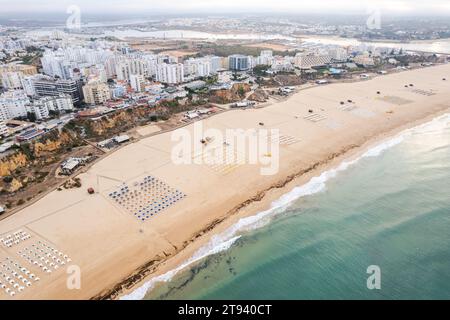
(54,113)
(40,176)
(7,179)
(211,80)
(170,103)
(241,91)
(51,135)
(260,70)
(31,116)
(28,59)
(77,182)
(224,50)
(26,150)
(227,50)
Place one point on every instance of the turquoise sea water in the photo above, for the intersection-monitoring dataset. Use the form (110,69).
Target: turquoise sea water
(391,209)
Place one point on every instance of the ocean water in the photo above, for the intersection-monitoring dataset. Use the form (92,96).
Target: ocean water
(389,208)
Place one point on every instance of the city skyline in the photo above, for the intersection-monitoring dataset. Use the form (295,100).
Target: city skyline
(414,7)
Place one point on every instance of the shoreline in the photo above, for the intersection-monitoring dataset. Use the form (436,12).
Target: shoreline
(261,202)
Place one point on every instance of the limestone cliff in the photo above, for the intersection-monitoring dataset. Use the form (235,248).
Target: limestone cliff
(117,122)
(11,163)
(235,94)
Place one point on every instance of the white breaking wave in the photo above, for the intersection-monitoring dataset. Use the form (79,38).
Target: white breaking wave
(209,249)
(226,239)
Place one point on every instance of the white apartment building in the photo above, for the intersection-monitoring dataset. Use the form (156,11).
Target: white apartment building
(28,86)
(137,82)
(4,113)
(170,73)
(40,111)
(216,63)
(110,66)
(3,129)
(202,67)
(125,67)
(338,54)
(13,104)
(62,61)
(251,62)
(199,67)
(123,70)
(310,60)
(12,80)
(151,61)
(62,102)
(139,67)
(282,64)
(96,92)
(265,58)
(364,60)
(56,66)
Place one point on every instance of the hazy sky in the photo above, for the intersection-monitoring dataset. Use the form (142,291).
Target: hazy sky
(226,6)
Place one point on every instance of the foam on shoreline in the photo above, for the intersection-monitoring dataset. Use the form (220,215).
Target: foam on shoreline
(226,239)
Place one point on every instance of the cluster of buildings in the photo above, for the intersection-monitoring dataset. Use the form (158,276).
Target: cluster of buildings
(308,58)
(99,75)
(102,74)
(28,95)
(39,96)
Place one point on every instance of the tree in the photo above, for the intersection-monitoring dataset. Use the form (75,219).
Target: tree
(7,179)
(31,116)
(26,149)
(54,113)
(260,70)
(241,91)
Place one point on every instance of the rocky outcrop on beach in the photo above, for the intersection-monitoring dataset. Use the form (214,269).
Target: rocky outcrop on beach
(235,94)
(259,96)
(117,122)
(288,80)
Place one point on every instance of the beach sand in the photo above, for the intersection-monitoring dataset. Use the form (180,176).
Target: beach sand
(148,129)
(116,252)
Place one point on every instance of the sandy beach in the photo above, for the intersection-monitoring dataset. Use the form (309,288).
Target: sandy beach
(116,251)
